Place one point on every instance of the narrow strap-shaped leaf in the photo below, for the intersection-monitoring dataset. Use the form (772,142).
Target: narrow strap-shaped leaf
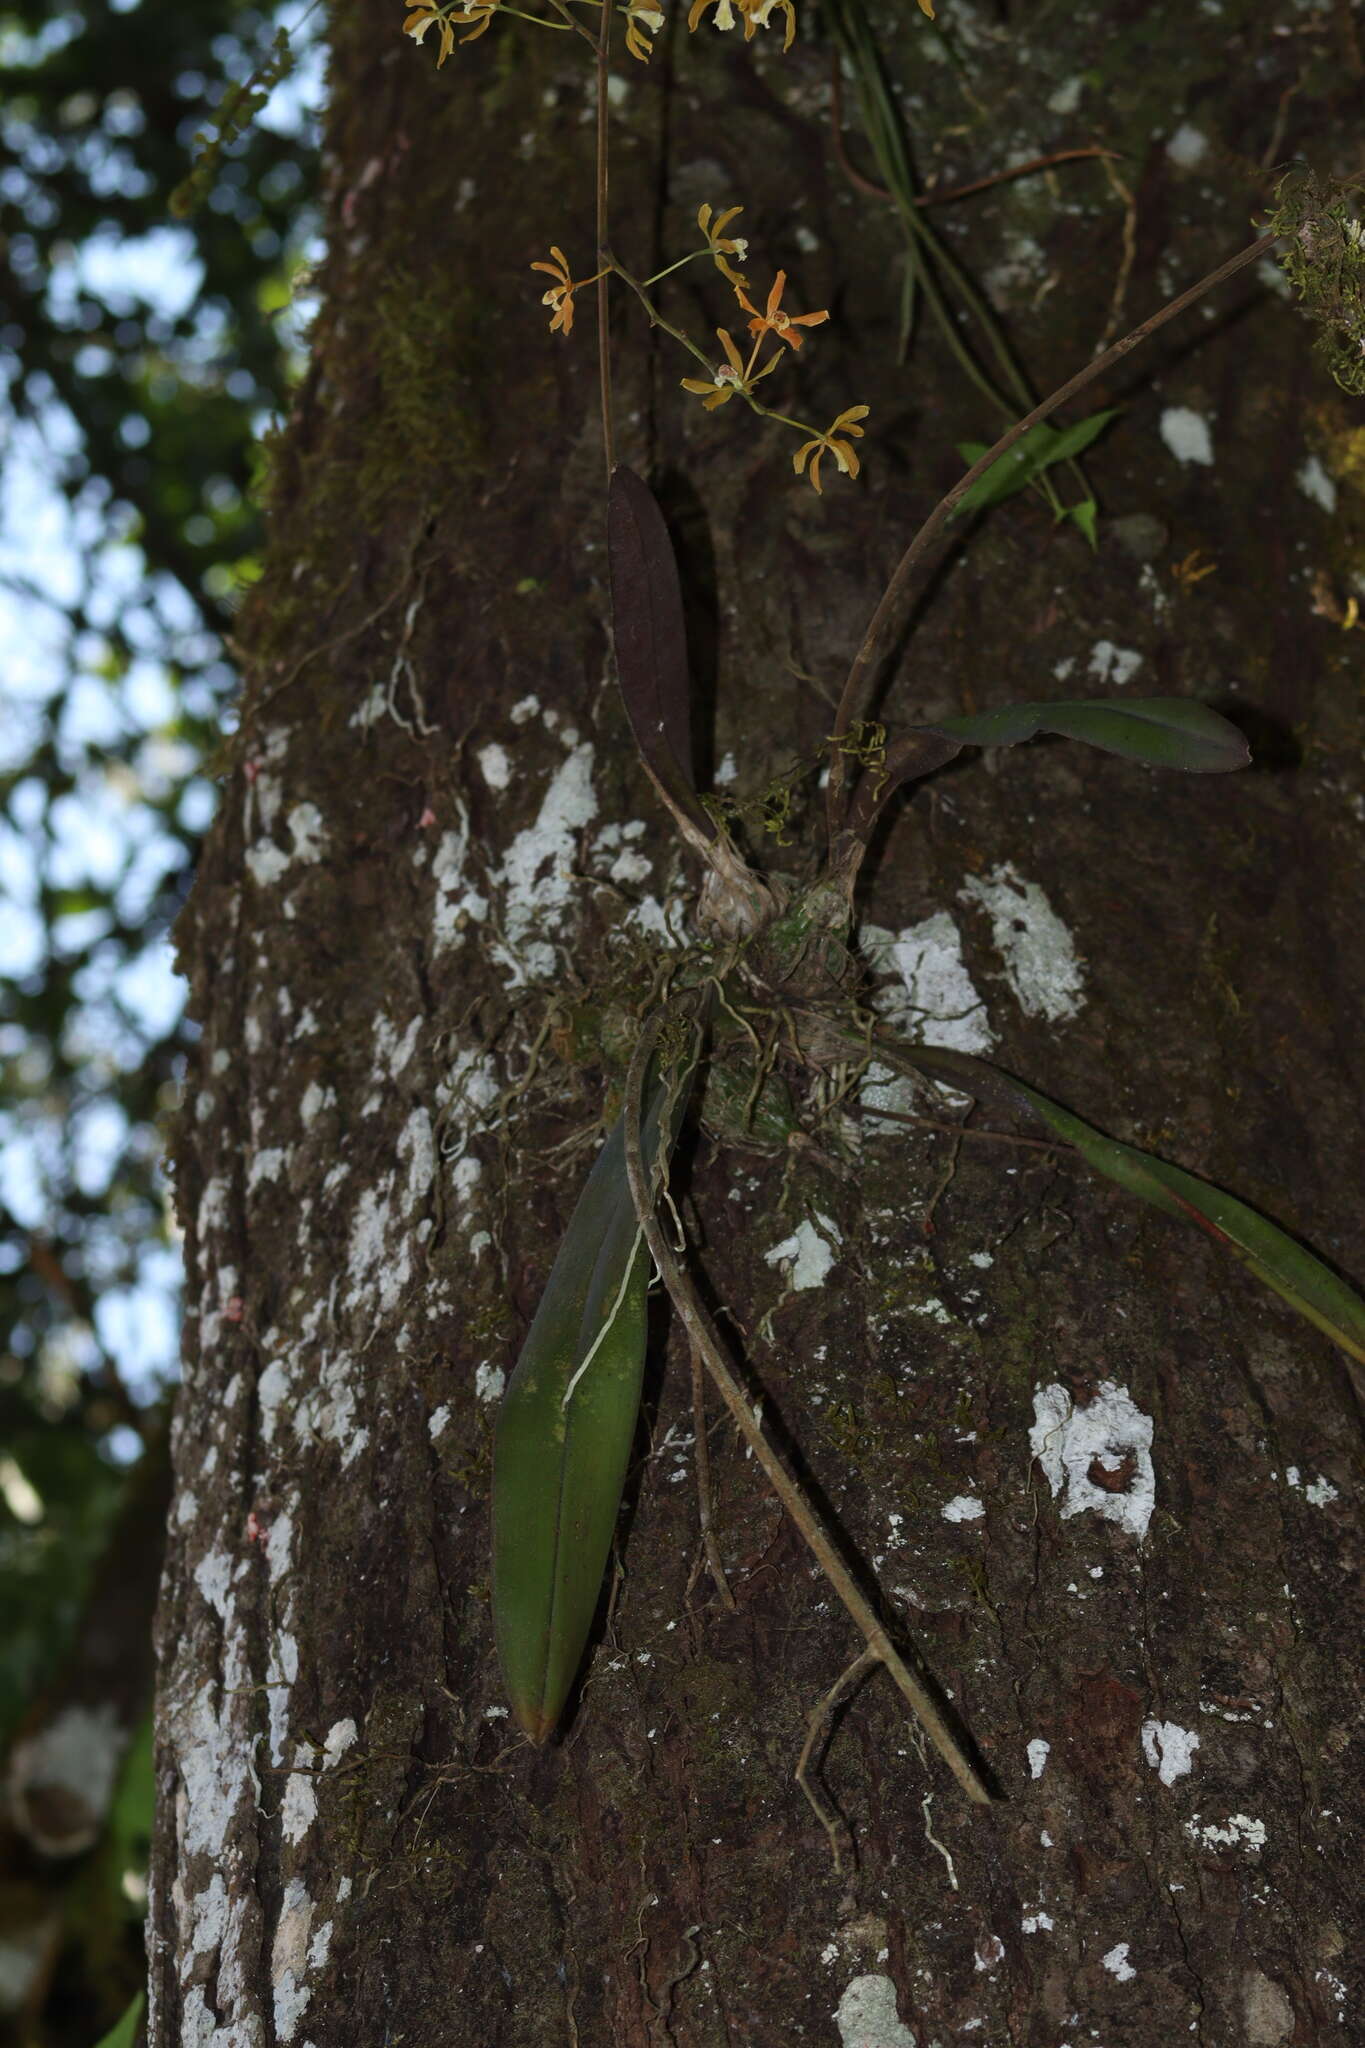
(566,1425)
(1168,732)
(1276,1259)
(650,632)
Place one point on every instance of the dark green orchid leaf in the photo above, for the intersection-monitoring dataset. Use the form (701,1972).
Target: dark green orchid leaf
(1035,451)
(1167,732)
(566,1425)
(1277,1259)
(650,632)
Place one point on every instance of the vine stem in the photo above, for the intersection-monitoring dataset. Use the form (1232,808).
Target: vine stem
(603,48)
(889,614)
(702,1334)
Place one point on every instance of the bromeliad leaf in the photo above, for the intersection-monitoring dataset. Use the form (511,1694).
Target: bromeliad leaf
(1167,732)
(566,1425)
(651,646)
(1037,450)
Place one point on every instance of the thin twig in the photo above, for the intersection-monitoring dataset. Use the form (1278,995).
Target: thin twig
(817,1735)
(701,1332)
(887,618)
(604,281)
(710,1549)
(942,195)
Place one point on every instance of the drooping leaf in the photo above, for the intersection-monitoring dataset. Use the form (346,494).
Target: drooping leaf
(1278,1260)
(650,632)
(564,1432)
(1167,732)
(1039,449)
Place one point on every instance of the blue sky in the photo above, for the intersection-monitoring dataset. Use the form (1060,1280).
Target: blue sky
(113,738)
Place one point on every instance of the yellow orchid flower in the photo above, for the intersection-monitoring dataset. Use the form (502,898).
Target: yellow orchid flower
(844,453)
(754,14)
(560,294)
(722,245)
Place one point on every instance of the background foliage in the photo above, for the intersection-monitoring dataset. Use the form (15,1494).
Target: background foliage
(142,355)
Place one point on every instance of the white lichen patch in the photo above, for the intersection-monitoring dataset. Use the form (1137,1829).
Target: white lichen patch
(1038,1753)
(936,1001)
(1112,665)
(1318,1492)
(393,1050)
(1117,1963)
(1041,966)
(808,1254)
(299,1807)
(489,1381)
(1098,1458)
(1313,480)
(458,902)
(1188,147)
(267,1164)
(268,862)
(1186,434)
(1036,1921)
(495,765)
(437,1420)
(868,2015)
(314,1100)
(964,1507)
(289,1957)
(69,1766)
(1169,1749)
(536,878)
(1239,1831)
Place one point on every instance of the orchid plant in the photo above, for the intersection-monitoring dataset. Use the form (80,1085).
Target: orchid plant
(770,992)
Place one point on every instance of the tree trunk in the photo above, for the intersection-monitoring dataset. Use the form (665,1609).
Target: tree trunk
(1103,1483)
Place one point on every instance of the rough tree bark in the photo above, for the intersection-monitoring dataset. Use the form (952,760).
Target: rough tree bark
(434,842)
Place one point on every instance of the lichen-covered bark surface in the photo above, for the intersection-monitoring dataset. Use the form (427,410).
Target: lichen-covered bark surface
(1108,1488)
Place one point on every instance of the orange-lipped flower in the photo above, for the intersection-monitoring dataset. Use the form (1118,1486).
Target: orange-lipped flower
(773,320)
(843,451)
(560,294)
